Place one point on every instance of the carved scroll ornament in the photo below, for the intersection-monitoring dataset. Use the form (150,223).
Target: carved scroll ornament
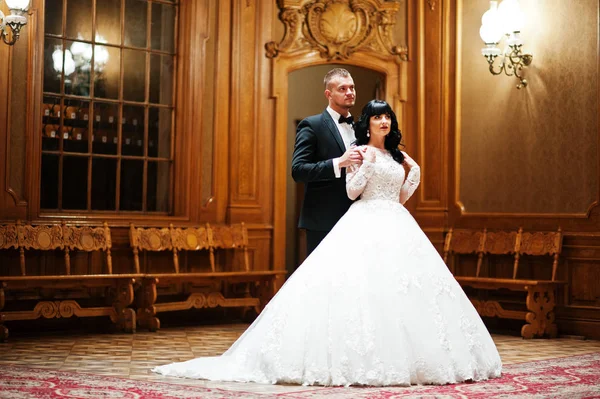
(338,28)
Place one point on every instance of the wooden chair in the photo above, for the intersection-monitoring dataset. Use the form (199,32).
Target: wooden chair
(540,244)
(464,242)
(248,289)
(43,238)
(149,239)
(72,298)
(9,238)
(502,243)
(233,236)
(540,300)
(87,239)
(190,239)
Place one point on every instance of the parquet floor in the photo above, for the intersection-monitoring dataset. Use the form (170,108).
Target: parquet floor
(133,355)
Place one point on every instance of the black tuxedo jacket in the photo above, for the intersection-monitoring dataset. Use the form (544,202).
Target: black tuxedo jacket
(325,200)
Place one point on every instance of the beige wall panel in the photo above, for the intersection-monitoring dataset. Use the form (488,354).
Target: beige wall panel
(533,150)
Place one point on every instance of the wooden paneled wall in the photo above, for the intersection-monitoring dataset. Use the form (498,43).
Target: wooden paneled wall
(228,167)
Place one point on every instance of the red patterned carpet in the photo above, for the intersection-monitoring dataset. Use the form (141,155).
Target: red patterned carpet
(571,377)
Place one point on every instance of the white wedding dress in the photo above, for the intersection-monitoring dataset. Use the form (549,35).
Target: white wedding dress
(374,304)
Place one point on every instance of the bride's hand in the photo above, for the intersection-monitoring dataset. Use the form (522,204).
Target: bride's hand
(368,154)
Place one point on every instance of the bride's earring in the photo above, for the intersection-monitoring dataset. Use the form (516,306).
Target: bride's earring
(368,134)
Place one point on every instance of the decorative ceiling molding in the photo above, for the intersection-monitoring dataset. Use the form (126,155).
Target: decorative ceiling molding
(338,28)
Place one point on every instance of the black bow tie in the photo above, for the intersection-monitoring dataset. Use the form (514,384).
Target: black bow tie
(346,119)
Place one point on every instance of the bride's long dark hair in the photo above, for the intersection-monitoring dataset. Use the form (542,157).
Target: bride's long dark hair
(392,139)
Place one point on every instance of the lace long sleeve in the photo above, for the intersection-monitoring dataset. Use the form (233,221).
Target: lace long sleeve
(410,183)
(357,178)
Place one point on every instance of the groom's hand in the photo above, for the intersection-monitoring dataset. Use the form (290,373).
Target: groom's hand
(352,156)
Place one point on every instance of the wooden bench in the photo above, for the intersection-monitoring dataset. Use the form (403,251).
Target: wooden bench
(540,301)
(244,288)
(63,293)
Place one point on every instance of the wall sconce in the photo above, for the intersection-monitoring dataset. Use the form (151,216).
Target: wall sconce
(13,22)
(506,19)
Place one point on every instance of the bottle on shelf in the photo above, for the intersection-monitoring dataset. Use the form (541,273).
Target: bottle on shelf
(78,134)
(112,130)
(50,131)
(66,133)
(71,112)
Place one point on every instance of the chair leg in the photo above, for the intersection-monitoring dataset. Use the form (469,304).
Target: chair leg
(554,267)
(136,260)
(516,266)
(479,261)
(22,261)
(212,259)
(67,262)
(108,261)
(176,260)
(540,318)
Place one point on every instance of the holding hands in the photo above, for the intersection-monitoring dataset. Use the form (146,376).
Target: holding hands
(368,154)
(352,156)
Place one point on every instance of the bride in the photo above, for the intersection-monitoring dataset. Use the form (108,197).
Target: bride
(374,304)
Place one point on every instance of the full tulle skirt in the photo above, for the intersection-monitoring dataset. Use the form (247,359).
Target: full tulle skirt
(374,304)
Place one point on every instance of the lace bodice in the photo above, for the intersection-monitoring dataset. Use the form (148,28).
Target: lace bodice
(383,179)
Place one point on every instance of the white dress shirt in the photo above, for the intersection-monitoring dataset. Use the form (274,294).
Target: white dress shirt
(347,134)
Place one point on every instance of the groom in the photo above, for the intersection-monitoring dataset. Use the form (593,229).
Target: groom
(322,152)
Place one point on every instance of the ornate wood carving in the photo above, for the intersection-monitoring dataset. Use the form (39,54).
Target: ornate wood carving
(242,289)
(500,242)
(494,309)
(63,309)
(189,239)
(51,237)
(9,236)
(504,243)
(119,291)
(230,236)
(539,243)
(540,318)
(234,236)
(148,239)
(465,242)
(123,316)
(338,28)
(146,313)
(87,239)
(149,308)
(44,238)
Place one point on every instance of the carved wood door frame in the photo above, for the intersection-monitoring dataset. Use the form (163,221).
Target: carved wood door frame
(395,74)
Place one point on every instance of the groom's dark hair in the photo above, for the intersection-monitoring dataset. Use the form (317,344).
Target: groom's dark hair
(392,139)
